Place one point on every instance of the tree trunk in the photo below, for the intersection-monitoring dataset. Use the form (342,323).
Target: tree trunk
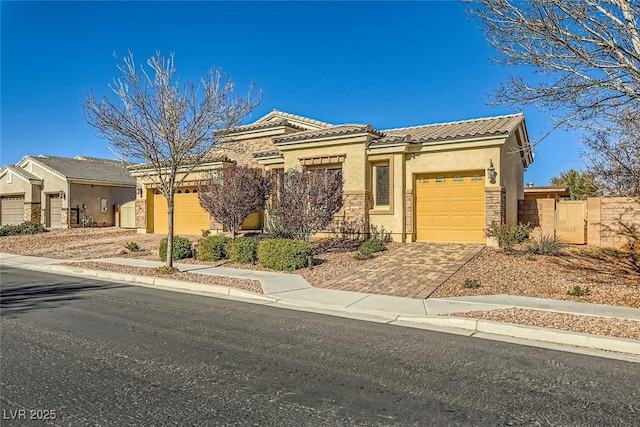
(170,232)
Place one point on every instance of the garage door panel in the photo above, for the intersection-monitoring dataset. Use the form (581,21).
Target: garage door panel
(188,215)
(450,207)
(12,210)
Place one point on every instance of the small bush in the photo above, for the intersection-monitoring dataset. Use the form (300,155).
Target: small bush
(133,247)
(372,246)
(165,269)
(381,233)
(508,235)
(547,245)
(579,291)
(471,284)
(27,227)
(361,256)
(205,233)
(212,248)
(243,250)
(284,254)
(181,248)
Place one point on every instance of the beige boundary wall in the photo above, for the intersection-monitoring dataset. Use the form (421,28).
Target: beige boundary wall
(612,222)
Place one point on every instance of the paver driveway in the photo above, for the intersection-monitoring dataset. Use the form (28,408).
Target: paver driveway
(414,271)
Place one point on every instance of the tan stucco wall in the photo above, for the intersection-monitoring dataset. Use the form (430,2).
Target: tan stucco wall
(353,167)
(511,177)
(18,186)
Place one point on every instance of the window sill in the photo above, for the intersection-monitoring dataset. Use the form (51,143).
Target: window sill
(381,210)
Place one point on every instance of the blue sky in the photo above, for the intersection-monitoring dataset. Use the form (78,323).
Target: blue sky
(389,64)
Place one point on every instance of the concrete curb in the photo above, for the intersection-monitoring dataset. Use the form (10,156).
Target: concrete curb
(533,333)
(465,326)
(149,281)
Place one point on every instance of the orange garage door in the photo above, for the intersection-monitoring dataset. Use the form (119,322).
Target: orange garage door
(450,207)
(188,215)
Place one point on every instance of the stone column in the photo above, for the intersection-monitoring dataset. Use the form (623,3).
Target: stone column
(495,206)
(141,215)
(408,215)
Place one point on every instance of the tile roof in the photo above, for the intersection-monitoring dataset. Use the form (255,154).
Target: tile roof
(278,113)
(86,169)
(208,159)
(500,125)
(263,125)
(266,154)
(22,172)
(338,130)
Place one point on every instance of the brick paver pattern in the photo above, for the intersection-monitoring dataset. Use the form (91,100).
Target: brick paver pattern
(414,271)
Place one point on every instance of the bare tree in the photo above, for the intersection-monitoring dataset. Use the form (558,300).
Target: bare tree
(231,194)
(587,54)
(169,126)
(307,200)
(615,157)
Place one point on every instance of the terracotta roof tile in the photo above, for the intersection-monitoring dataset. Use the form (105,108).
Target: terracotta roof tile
(500,125)
(293,117)
(339,130)
(266,154)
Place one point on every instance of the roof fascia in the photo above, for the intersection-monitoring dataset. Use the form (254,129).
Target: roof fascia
(200,168)
(42,165)
(5,169)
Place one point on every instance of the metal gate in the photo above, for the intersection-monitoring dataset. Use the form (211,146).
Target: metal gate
(571,221)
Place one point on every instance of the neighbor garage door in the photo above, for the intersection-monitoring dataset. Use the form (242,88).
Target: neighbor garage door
(12,210)
(450,207)
(188,215)
(55,211)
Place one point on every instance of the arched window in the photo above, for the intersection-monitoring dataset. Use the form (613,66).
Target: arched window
(186,191)
(179,191)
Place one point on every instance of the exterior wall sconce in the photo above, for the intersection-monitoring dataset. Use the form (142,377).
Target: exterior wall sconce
(62,194)
(139,192)
(491,172)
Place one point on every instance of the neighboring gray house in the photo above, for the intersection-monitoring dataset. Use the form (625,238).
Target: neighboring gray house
(62,192)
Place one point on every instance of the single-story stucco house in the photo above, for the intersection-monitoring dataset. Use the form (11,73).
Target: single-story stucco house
(440,182)
(62,192)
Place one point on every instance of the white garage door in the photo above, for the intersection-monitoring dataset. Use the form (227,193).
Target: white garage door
(12,210)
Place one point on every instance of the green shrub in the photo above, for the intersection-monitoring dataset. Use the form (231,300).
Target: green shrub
(547,245)
(471,284)
(508,235)
(361,256)
(284,254)
(181,248)
(379,233)
(212,248)
(27,227)
(133,247)
(243,249)
(372,246)
(579,291)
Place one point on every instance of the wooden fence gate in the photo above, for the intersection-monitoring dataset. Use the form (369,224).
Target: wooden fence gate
(571,221)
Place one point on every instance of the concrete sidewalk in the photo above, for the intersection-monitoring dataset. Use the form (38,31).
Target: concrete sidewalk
(292,291)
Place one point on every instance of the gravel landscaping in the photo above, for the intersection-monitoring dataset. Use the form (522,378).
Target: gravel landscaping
(610,276)
(604,276)
(620,328)
(244,284)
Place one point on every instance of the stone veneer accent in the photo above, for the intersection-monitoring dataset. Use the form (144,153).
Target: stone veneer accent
(64,217)
(408,212)
(356,207)
(141,213)
(495,206)
(32,212)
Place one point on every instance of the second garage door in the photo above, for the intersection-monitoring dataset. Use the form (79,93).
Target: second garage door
(12,210)
(450,207)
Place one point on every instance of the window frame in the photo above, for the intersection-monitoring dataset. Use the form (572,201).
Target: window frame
(374,161)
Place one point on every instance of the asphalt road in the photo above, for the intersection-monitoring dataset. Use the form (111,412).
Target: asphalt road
(97,353)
